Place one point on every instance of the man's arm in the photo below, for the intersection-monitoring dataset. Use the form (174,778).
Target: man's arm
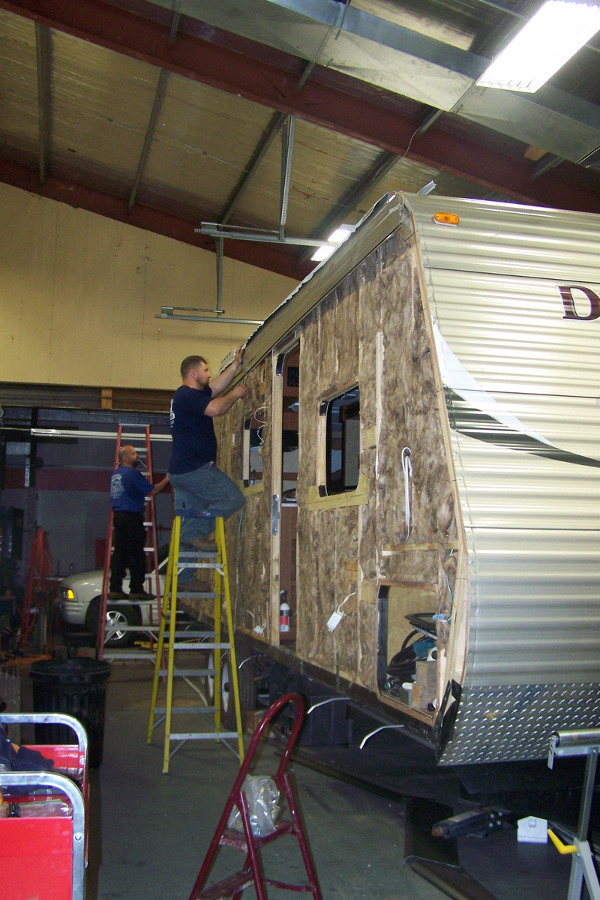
(218,406)
(221,382)
(160,486)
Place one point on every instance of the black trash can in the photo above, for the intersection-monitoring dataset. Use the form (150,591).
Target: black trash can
(76,687)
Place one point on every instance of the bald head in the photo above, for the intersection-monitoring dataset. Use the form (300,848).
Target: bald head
(128,456)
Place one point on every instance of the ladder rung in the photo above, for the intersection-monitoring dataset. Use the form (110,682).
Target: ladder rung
(202,735)
(131,602)
(128,654)
(182,710)
(200,645)
(192,673)
(187,553)
(145,629)
(228,887)
(185,634)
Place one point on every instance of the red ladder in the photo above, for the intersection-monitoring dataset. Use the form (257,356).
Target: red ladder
(250,844)
(108,623)
(40,567)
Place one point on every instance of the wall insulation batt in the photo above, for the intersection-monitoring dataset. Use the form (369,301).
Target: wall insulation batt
(474,347)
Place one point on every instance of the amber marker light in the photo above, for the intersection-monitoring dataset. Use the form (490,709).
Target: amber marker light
(446,218)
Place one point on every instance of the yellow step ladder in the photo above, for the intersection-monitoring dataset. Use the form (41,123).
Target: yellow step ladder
(174,639)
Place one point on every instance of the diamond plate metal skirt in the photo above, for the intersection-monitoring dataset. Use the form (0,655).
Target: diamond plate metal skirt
(498,723)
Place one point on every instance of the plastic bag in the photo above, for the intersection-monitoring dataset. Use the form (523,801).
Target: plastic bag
(262,796)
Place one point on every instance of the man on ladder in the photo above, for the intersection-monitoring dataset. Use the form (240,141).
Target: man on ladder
(128,492)
(204,497)
(202,491)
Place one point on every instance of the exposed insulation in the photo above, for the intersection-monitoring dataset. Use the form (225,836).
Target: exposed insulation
(369,330)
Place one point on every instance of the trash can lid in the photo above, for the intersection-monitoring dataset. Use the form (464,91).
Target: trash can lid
(73,667)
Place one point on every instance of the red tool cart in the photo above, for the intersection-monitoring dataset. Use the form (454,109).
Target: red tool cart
(43,848)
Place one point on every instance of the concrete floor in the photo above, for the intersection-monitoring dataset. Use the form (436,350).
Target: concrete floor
(149,832)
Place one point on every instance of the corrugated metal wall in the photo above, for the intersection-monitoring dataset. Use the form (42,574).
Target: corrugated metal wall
(523,406)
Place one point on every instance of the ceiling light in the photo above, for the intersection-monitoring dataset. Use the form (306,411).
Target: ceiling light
(336,238)
(550,38)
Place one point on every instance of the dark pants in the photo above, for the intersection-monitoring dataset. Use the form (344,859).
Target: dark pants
(129,537)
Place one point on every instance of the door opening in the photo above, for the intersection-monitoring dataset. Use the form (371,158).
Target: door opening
(288,383)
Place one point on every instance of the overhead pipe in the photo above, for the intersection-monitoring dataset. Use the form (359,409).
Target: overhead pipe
(42,47)
(288,133)
(168,312)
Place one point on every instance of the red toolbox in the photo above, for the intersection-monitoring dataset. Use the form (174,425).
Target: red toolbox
(43,851)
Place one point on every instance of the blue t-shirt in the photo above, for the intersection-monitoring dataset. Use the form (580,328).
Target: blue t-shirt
(128,489)
(193,432)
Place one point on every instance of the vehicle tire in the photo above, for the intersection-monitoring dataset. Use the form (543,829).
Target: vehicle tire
(115,615)
(246,685)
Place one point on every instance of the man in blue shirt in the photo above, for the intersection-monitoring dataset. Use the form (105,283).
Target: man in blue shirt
(201,489)
(128,492)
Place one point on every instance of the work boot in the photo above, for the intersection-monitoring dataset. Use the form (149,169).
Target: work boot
(141,595)
(204,544)
(117,595)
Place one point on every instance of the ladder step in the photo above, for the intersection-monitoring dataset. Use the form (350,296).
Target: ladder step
(228,887)
(192,554)
(131,602)
(182,710)
(200,645)
(182,634)
(144,629)
(237,839)
(202,735)
(128,654)
(191,673)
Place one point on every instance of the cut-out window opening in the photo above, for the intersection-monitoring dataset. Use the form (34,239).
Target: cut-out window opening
(253,440)
(342,445)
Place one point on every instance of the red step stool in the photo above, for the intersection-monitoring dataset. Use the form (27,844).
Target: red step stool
(249,843)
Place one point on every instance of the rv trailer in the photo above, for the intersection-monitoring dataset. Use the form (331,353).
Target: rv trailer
(420,456)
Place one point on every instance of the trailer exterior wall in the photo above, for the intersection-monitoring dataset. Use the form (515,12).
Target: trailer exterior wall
(475,346)
(519,362)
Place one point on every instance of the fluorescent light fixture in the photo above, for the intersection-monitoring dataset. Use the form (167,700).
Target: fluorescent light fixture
(550,38)
(336,238)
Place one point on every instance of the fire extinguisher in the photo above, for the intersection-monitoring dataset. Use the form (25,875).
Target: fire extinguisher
(284,612)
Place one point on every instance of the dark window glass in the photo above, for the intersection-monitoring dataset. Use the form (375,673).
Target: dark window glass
(343,442)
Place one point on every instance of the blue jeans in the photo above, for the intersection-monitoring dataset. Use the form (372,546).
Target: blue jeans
(202,495)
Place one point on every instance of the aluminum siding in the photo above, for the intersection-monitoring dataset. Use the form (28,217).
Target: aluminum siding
(532,522)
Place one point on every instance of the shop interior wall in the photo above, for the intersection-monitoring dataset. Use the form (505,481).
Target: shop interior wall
(79,295)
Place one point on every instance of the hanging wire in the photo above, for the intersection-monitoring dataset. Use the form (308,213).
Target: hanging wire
(407,470)
(368,737)
(261,423)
